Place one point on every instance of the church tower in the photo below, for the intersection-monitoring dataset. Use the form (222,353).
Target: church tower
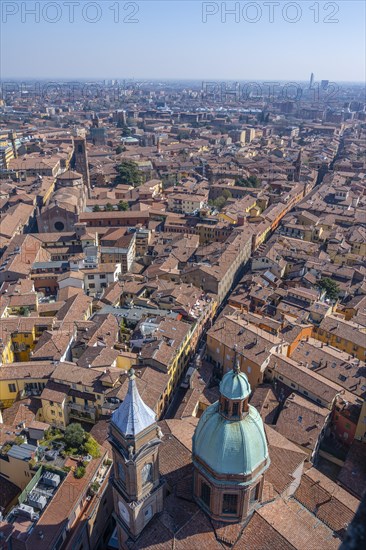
(230,453)
(137,487)
(81,161)
(298,165)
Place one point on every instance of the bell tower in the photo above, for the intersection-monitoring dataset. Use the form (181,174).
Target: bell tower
(137,487)
(81,161)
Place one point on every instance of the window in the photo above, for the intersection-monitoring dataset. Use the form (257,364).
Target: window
(12,388)
(92,285)
(226,406)
(53,412)
(229,504)
(235,409)
(305,392)
(121,473)
(51,403)
(90,277)
(254,494)
(146,474)
(205,494)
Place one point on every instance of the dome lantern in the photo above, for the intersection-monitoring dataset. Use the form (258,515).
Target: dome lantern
(234,394)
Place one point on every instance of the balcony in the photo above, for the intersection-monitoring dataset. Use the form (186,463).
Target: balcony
(83,412)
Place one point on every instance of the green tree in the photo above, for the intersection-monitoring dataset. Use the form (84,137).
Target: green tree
(226,194)
(241,182)
(183,135)
(80,472)
(109,207)
(122,326)
(91,447)
(119,150)
(253,181)
(126,132)
(331,288)
(122,205)
(219,203)
(128,173)
(96,208)
(74,436)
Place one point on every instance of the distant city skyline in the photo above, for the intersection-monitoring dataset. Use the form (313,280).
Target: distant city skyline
(189,40)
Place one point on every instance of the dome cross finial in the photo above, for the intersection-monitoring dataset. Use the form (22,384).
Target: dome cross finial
(236,367)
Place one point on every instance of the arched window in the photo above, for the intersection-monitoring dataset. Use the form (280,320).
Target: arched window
(146,474)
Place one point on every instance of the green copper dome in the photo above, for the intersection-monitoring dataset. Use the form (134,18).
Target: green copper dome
(235,385)
(230,447)
(231,444)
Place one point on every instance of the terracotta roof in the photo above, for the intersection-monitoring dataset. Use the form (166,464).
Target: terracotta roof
(285,457)
(28,370)
(55,392)
(301,421)
(330,503)
(353,473)
(21,411)
(260,535)
(298,526)
(9,491)
(196,534)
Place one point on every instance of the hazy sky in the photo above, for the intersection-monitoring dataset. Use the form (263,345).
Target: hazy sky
(183,39)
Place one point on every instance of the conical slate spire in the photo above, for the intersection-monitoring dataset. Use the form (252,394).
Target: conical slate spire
(133,416)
